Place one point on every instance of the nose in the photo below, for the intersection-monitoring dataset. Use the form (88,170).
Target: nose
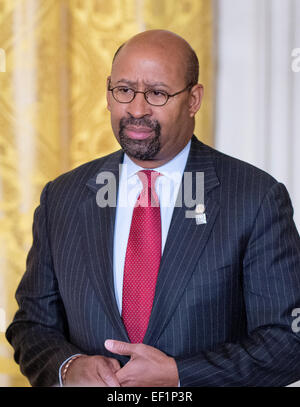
(139,107)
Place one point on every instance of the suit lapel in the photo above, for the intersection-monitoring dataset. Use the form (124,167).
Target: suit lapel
(179,259)
(185,243)
(97,229)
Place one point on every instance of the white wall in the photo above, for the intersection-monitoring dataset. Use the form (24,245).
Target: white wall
(258,93)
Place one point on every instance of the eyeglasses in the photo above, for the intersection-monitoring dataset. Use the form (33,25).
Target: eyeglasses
(124,94)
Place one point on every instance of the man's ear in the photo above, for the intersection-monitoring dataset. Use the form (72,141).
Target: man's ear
(108,93)
(195,99)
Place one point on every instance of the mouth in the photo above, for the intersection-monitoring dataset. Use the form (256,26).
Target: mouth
(138,133)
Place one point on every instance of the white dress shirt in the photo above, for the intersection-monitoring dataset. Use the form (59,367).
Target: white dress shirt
(166,186)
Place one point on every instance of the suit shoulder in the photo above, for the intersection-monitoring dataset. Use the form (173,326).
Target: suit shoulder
(238,178)
(235,169)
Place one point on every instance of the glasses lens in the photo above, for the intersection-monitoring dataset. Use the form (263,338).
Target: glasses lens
(123,94)
(157,98)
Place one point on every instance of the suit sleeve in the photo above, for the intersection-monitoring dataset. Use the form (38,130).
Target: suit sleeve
(39,333)
(270,352)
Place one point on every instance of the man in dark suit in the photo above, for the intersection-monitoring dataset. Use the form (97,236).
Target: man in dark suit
(150,295)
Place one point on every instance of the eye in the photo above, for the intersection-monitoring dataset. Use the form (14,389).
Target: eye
(157,93)
(124,89)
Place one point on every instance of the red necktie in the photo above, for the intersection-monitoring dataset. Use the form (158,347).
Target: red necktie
(142,259)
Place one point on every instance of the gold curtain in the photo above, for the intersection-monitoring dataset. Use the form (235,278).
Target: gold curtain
(53,113)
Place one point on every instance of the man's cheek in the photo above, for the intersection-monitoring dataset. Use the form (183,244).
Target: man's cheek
(115,128)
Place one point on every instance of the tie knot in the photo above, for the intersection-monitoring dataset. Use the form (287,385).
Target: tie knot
(148,178)
(148,196)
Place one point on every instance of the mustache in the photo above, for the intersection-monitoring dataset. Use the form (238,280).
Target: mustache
(141,122)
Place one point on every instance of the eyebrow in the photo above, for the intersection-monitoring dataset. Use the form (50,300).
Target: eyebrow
(153,84)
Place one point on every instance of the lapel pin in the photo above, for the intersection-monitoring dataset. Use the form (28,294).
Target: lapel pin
(200,215)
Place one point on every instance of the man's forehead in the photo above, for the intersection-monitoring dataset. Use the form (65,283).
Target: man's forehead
(147,67)
(164,52)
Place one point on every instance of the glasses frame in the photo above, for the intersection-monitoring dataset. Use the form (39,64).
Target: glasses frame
(145,93)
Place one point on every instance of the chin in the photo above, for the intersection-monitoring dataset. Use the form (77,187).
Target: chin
(143,150)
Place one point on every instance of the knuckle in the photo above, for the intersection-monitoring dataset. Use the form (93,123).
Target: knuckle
(106,376)
(122,347)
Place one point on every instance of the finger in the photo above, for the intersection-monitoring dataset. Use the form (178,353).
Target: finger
(107,375)
(122,375)
(121,348)
(114,364)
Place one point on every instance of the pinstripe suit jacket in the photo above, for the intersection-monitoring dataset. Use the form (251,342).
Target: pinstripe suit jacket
(225,290)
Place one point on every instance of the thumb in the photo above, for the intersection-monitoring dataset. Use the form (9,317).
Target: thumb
(120,348)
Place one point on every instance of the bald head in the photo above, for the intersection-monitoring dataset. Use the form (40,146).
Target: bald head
(166,42)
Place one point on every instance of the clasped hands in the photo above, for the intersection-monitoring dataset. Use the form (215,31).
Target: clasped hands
(147,367)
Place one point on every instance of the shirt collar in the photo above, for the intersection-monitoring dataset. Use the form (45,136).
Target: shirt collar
(174,166)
